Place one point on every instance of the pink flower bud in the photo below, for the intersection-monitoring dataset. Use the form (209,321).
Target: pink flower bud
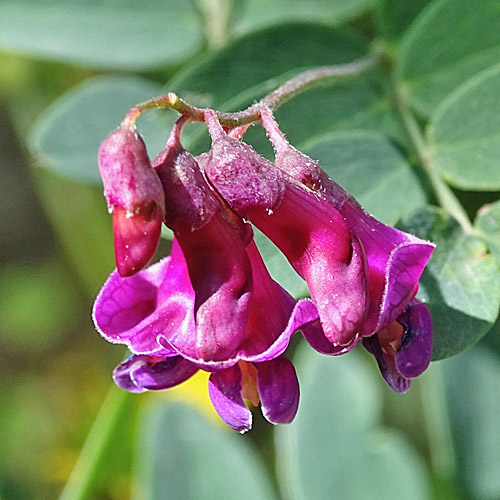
(135,197)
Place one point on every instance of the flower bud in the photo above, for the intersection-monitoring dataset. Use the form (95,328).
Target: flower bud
(135,197)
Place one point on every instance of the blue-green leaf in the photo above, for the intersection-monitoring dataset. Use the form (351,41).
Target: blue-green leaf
(115,34)
(487,225)
(464,134)
(471,383)
(450,42)
(368,166)
(183,456)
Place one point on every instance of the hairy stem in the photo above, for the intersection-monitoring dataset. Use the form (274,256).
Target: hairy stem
(272,101)
(444,194)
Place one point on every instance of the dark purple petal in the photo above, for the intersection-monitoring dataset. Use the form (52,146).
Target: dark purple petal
(278,390)
(404,349)
(387,365)
(152,373)
(415,352)
(224,389)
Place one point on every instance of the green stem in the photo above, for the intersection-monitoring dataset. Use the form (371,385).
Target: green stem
(274,100)
(82,479)
(444,194)
(437,424)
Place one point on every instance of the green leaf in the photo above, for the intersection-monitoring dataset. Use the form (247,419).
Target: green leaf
(368,166)
(488,226)
(461,283)
(335,448)
(234,77)
(395,16)
(464,134)
(471,383)
(450,42)
(67,135)
(183,456)
(258,13)
(117,34)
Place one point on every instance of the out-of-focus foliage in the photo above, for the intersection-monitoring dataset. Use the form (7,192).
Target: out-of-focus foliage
(70,71)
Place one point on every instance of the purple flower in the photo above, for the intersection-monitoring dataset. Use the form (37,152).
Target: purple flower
(135,198)
(310,232)
(395,261)
(152,313)
(210,305)
(361,273)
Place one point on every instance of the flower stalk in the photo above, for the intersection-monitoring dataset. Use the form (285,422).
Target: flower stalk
(272,101)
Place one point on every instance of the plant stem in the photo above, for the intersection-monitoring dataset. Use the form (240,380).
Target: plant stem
(444,194)
(82,479)
(272,101)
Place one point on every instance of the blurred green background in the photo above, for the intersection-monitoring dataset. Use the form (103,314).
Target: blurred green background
(353,439)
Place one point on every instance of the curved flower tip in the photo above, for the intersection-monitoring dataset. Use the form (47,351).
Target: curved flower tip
(404,349)
(395,260)
(135,197)
(139,373)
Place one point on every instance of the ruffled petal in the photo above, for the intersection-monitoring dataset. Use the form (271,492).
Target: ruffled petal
(213,242)
(278,390)
(274,314)
(395,259)
(122,378)
(224,389)
(126,308)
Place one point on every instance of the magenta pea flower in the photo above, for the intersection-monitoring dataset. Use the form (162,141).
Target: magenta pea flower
(395,259)
(152,313)
(395,262)
(361,274)
(135,198)
(310,232)
(211,305)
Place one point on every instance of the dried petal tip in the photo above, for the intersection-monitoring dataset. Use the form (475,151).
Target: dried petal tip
(134,195)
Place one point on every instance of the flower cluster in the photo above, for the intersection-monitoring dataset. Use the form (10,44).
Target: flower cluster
(212,305)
